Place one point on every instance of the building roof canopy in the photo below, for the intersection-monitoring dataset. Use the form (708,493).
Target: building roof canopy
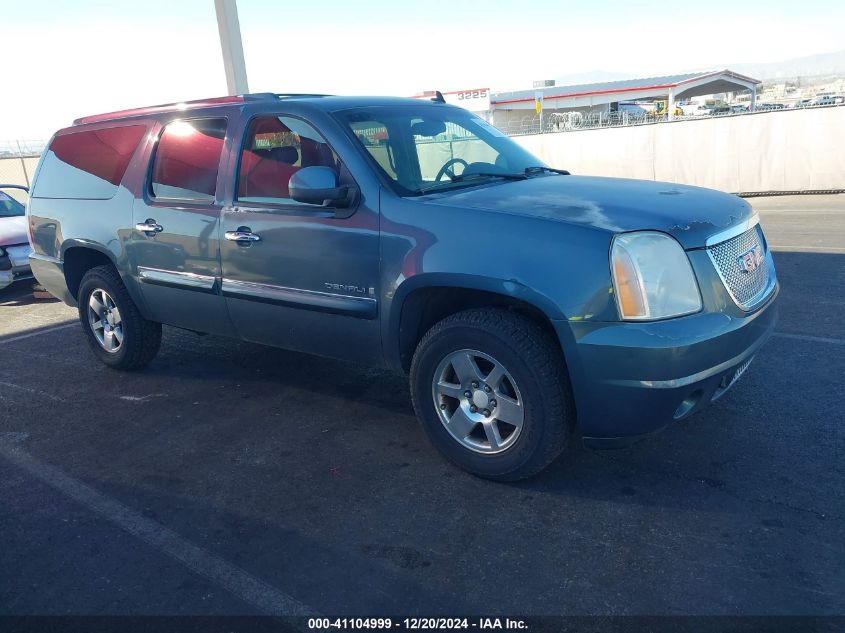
(683,86)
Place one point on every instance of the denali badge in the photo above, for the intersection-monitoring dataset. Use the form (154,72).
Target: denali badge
(750,260)
(347,288)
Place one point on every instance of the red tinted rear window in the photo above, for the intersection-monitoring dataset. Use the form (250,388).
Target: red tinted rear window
(89,164)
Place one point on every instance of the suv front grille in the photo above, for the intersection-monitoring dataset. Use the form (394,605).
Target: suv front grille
(746,288)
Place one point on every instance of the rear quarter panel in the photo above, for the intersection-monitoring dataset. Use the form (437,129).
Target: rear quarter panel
(59,224)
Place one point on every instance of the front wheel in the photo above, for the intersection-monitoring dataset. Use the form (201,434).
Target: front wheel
(492,393)
(119,336)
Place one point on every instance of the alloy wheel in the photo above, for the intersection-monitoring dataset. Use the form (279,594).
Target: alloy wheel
(478,401)
(105,321)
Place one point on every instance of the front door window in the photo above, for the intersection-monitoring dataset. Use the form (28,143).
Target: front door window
(277,147)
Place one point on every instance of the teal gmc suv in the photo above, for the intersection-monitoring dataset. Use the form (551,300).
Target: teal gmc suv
(522,301)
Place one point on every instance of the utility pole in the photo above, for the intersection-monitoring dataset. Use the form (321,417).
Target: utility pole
(231,45)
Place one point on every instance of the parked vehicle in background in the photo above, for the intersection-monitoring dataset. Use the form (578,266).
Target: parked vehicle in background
(825,100)
(739,109)
(632,108)
(661,108)
(697,109)
(771,106)
(417,236)
(803,103)
(14,242)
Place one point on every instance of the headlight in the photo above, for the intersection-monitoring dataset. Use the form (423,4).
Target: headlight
(652,277)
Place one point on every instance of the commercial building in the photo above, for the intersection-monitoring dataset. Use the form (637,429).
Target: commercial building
(507,108)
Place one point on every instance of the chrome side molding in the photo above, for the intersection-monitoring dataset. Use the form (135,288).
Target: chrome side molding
(177,279)
(359,307)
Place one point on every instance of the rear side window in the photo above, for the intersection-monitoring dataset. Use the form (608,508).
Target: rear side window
(187,160)
(87,165)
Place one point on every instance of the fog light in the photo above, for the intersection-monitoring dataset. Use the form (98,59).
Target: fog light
(688,404)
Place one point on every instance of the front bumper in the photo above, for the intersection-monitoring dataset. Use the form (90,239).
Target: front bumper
(630,379)
(14,264)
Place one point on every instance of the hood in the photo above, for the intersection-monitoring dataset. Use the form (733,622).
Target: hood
(13,231)
(689,214)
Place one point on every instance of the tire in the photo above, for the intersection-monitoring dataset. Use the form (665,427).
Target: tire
(535,376)
(140,339)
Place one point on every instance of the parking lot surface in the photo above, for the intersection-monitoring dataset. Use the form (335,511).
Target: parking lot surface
(228,478)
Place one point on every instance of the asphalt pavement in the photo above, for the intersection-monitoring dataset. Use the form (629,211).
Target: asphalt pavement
(228,478)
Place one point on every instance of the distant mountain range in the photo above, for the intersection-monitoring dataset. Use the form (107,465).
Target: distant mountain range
(809,66)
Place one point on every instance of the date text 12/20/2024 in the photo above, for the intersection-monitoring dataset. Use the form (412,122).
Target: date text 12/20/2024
(435,624)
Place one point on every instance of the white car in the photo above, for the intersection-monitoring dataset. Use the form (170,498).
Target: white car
(697,109)
(14,242)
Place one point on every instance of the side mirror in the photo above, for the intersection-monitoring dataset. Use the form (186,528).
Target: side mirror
(318,185)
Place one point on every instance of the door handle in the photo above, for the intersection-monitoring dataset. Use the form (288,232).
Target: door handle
(149,227)
(243,236)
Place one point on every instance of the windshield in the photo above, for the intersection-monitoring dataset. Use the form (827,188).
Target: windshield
(427,148)
(9,207)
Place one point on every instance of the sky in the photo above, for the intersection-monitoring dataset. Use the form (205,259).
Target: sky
(65,59)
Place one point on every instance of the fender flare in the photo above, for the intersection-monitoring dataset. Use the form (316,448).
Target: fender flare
(90,245)
(131,285)
(509,288)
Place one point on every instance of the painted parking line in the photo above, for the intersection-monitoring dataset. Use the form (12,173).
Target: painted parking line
(39,332)
(237,581)
(37,392)
(810,339)
(807,249)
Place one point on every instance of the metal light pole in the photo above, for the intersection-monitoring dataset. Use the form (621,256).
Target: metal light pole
(231,45)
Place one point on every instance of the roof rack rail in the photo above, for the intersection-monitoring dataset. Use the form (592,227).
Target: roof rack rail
(284,95)
(164,107)
(196,103)
(272,96)
(264,96)
(259,96)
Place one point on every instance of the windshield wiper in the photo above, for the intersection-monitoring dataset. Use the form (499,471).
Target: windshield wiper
(489,174)
(466,178)
(537,169)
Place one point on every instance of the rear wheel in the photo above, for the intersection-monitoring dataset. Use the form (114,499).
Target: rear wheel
(491,391)
(119,336)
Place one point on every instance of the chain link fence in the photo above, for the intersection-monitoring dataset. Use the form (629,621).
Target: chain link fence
(575,120)
(578,120)
(18,160)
